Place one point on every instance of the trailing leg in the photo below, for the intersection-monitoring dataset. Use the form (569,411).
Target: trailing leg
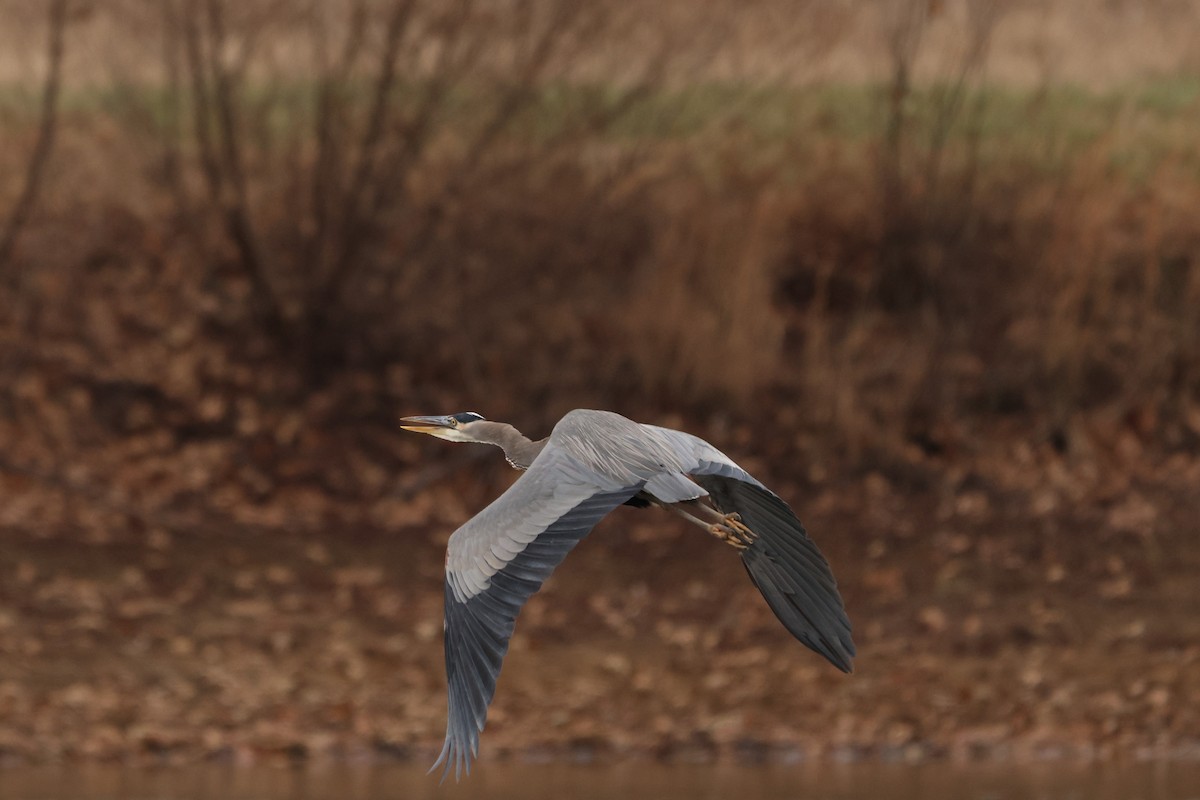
(726,527)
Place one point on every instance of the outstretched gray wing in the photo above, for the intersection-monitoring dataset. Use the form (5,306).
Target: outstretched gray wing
(495,562)
(784,563)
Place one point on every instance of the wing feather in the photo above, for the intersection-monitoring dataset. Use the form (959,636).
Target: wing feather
(495,563)
(784,563)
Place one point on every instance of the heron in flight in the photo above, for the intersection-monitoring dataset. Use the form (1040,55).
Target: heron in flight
(592,462)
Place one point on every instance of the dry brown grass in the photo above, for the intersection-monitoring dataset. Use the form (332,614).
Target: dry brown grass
(352,199)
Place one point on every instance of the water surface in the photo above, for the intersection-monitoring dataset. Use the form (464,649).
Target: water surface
(1050,781)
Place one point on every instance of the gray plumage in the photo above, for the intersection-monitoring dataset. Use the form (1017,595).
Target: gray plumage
(592,462)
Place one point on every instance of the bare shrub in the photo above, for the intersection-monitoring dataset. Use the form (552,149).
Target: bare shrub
(35,168)
(333,192)
(1114,290)
(414,199)
(914,185)
(703,321)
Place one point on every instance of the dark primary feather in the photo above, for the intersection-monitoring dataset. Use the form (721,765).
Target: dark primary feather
(786,566)
(478,630)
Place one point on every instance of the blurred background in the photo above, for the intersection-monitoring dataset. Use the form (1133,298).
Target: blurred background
(929,269)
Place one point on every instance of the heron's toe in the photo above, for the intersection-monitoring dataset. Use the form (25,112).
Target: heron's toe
(740,537)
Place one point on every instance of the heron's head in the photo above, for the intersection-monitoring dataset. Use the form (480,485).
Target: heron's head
(452,427)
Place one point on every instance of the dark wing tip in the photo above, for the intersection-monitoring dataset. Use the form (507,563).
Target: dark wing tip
(454,756)
(784,563)
(810,610)
(788,569)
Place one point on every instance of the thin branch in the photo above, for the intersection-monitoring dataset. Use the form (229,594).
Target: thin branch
(223,102)
(201,111)
(238,223)
(525,85)
(172,129)
(523,88)
(456,56)
(372,139)
(983,18)
(46,133)
(904,38)
(380,104)
(518,98)
(325,187)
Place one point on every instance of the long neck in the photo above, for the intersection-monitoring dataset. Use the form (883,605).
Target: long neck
(517,447)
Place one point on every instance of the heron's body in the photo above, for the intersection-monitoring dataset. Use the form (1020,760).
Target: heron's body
(592,462)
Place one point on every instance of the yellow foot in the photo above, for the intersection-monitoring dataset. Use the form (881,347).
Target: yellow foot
(733,532)
(735,521)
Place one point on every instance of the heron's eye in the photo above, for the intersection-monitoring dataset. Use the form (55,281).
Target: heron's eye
(453,422)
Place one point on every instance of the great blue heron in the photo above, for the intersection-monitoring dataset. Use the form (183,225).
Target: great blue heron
(592,462)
